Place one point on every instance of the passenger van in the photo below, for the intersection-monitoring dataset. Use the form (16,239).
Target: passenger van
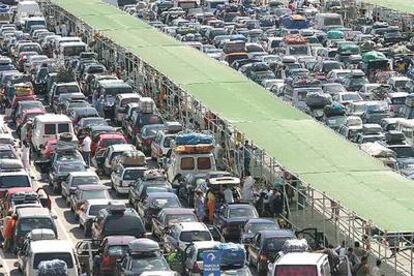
(34,21)
(47,250)
(49,125)
(325,21)
(303,263)
(26,9)
(181,164)
(64,39)
(71,49)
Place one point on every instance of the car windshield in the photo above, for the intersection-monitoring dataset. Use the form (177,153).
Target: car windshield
(274,244)
(75,167)
(95,194)
(117,250)
(94,209)
(193,236)
(167,141)
(298,50)
(181,218)
(67,89)
(82,180)
(167,202)
(63,256)
(302,270)
(124,225)
(403,152)
(400,84)
(151,130)
(12,181)
(373,108)
(328,67)
(7,154)
(151,261)
(28,224)
(133,174)
(242,213)
(109,142)
(256,227)
(351,97)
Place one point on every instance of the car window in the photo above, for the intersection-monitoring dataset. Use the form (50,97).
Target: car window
(50,129)
(193,236)
(64,256)
(63,128)
(187,163)
(203,163)
(11,181)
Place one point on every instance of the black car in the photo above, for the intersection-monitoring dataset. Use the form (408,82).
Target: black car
(253,226)
(169,216)
(264,247)
(60,172)
(154,203)
(142,187)
(233,217)
(117,221)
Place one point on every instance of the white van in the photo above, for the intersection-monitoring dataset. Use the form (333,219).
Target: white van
(26,9)
(50,125)
(71,49)
(181,164)
(303,263)
(64,39)
(324,21)
(47,250)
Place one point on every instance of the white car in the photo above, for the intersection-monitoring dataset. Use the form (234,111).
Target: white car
(346,98)
(182,234)
(113,151)
(123,177)
(47,250)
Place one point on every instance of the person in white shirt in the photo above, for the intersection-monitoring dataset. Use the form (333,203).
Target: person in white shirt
(26,155)
(247,192)
(86,150)
(228,195)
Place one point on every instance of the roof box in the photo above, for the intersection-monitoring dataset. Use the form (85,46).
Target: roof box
(143,245)
(41,234)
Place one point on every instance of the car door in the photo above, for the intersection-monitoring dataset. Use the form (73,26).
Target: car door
(254,248)
(172,238)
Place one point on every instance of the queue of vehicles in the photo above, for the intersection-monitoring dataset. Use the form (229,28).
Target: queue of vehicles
(313,69)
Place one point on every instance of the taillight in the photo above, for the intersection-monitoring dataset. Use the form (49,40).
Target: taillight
(196,268)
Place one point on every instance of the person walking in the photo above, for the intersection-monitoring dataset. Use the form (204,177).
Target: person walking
(200,205)
(228,195)
(376,271)
(26,156)
(86,150)
(211,206)
(10,223)
(276,203)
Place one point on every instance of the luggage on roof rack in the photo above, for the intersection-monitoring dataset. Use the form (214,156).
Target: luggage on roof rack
(192,138)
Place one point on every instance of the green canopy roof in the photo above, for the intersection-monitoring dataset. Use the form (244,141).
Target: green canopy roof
(317,154)
(373,55)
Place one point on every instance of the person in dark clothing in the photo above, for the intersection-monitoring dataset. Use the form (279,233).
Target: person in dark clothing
(276,203)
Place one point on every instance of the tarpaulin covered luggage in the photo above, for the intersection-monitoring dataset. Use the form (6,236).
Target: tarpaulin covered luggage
(193,139)
(317,100)
(335,34)
(335,109)
(53,268)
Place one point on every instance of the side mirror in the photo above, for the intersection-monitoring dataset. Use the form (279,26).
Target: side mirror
(269,267)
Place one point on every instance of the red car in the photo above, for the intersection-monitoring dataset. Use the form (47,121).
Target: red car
(105,140)
(29,114)
(14,196)
(49,148)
